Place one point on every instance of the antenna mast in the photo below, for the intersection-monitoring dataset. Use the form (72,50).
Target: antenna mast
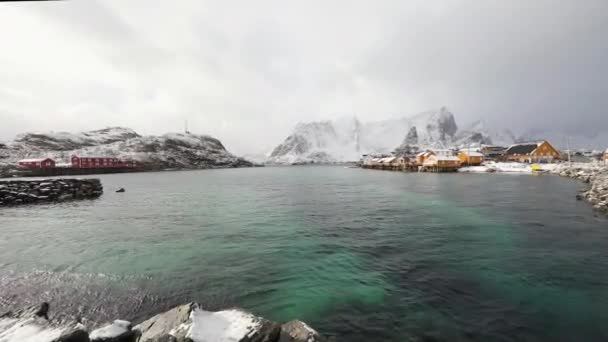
(568,142)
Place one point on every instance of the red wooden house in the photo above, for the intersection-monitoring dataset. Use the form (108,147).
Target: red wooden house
(39,163)
(101,162)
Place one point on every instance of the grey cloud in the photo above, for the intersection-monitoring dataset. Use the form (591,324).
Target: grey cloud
(246,72)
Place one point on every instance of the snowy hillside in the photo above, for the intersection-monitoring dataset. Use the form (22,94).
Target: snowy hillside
(172,150)
(67,141)
(347,139)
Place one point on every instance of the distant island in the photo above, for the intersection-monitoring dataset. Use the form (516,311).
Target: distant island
(167,151)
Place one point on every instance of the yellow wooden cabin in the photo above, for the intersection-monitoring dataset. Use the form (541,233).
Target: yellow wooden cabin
(422,156)
(470,158)
(441,163)
(532,152)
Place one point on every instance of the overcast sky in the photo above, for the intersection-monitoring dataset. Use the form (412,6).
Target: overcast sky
(248,71)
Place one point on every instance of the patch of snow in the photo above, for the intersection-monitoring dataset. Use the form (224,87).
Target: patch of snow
(117,328)
(221,326)
(14,330)
(476,169)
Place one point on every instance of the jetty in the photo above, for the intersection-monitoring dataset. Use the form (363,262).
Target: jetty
(18,192)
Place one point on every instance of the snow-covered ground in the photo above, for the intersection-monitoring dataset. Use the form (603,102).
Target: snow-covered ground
(513,167)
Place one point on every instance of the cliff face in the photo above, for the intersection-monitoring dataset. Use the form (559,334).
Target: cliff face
(171,150)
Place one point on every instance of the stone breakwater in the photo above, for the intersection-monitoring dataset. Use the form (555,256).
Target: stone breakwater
(596,174)
(17,192)
(185,323)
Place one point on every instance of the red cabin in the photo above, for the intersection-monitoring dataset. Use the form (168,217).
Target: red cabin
(40,163)
(100,162)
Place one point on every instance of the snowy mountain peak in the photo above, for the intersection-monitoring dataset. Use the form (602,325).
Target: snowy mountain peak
(347,138)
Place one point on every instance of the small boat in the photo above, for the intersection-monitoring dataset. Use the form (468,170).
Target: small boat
(121,190)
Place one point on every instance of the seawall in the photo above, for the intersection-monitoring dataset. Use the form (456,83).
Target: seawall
(17,192)
(185,323)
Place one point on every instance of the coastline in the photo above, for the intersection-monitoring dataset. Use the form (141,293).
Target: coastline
(594,174)
(184,323)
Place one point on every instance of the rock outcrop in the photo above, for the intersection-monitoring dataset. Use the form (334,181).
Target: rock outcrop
(596,174)
(185,323)
(17,192)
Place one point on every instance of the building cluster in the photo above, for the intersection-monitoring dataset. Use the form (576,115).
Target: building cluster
(446,160)
(77,162)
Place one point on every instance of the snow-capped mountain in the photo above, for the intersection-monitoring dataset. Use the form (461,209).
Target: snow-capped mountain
(479,132)
(348,139)
(171,150)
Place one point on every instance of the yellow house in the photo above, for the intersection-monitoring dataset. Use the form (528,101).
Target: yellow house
(441,162)
(532,152)
(606,156)
(470,158)
(422,156)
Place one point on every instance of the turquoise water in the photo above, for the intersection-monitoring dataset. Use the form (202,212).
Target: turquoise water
(362,255)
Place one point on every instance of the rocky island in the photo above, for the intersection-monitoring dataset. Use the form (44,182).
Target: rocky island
(185,323)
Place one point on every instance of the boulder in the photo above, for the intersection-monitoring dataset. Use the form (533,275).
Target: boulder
(233,325)
(76,333)
(298,331)
(171,324)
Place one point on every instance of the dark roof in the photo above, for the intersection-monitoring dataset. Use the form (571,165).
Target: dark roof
(521,149)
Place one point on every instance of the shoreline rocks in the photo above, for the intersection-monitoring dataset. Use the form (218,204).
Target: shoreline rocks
(595,174)
(184,323)
(18,192)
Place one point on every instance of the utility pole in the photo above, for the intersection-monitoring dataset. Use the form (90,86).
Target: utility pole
(568,142)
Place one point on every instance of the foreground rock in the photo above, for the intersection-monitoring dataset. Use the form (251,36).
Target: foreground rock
(48,190)
(185,323)
(596,174)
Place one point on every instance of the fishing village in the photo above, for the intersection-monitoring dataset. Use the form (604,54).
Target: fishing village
(484,158)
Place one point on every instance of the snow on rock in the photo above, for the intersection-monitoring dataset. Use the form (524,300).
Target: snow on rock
(222,326)
(296,331)
(67,141)
(173,323)
(596,174)
(119,330)
(479,133)
(27,330)
(183,323)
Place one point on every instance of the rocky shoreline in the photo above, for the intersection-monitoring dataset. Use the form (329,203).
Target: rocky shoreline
(17,192)
(185,323)
(595,174)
